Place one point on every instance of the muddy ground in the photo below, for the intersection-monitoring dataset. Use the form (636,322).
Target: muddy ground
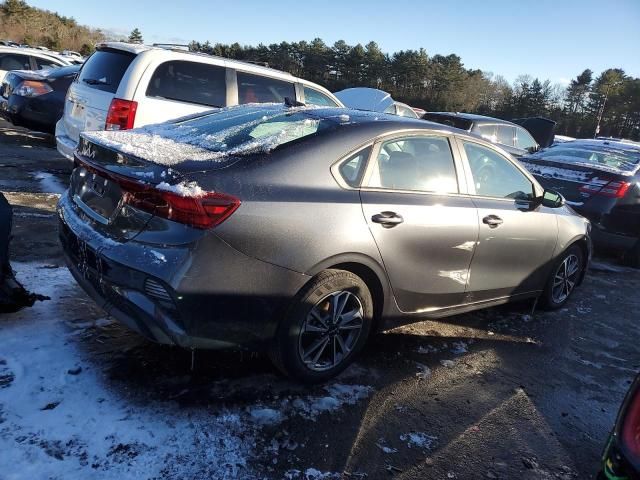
(501,393)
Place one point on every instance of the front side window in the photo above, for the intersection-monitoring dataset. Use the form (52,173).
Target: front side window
(352,169)
(524,140)
(495,176)
(505,135)
(258,89)
(423,164)
(190,82)
(10,61)
(314,97)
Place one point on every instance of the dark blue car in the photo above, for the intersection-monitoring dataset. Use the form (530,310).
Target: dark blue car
(36,99)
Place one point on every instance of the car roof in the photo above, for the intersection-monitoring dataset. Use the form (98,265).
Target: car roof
(473,117)
(34,52)
(169,51)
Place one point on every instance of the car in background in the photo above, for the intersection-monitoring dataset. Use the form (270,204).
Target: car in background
(9,43)
(514,138)
(600,179)
(621,456)
(300,230)
(123,85)
(35,100)
(374,100)
(14,58)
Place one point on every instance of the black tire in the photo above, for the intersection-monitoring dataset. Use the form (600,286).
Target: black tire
(632,257)
(549,300)
(288,346)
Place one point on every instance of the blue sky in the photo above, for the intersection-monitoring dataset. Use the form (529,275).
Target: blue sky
(552,40)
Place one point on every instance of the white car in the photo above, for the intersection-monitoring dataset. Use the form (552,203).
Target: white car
(122,86)
(17,58)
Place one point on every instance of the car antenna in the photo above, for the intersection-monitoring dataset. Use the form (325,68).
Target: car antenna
(293,103)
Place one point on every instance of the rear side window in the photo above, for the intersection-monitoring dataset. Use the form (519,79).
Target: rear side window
(423,164)
(190,82)
(505,135)
(11,61)
(352,169)
(42,63)
(258,89)
(314,97)
(104,69)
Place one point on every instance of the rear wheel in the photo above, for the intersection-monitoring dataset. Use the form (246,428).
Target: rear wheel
(564,278)
(327,325)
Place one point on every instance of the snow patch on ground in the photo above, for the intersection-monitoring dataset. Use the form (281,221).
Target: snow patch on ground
(418,440)
(60,419)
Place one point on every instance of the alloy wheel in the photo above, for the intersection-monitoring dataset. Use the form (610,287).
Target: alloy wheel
(330,330)
(565,278)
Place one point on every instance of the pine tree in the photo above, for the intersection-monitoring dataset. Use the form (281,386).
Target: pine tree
(135,36)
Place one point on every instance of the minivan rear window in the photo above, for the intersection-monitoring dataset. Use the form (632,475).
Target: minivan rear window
(190,82)
(105,68)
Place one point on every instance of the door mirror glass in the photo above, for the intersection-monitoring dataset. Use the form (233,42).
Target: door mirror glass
(552,199)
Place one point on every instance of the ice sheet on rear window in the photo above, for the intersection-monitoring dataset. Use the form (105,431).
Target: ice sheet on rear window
(608,159)
(219,136)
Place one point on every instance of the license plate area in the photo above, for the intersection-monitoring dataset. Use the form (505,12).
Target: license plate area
(98,197)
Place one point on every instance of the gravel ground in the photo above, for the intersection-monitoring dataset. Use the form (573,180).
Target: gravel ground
(501,393)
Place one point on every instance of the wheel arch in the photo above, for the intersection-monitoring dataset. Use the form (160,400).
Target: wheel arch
(370,271)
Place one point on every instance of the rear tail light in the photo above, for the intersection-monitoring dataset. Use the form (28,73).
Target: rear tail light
(630,432)
(121,114)
(204,211)
(201,209)
(32,88)
(612,189)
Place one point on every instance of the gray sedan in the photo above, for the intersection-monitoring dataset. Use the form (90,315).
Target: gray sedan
(303,230)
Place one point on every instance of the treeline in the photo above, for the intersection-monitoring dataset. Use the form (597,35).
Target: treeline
(36,27)
(442,83)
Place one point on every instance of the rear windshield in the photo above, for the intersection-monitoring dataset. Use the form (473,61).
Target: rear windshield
(105,68)
(611,158)
(456,122)
(229,130)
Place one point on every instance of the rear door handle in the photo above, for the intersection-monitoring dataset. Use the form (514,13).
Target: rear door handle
(387,219)
(492,220)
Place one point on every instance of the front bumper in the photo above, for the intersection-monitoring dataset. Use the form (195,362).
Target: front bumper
(205,295)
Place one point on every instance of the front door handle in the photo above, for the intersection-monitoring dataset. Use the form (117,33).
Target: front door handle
(387,219)
(492,220)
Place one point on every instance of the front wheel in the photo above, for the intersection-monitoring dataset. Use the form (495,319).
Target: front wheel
(327,325)
(564,278)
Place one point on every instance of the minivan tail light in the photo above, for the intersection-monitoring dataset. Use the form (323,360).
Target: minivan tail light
(121,114)
(630,431)
(612,189)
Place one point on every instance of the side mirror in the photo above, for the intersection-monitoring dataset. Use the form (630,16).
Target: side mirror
(552,199)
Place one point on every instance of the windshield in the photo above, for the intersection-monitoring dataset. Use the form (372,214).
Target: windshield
(597,155)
